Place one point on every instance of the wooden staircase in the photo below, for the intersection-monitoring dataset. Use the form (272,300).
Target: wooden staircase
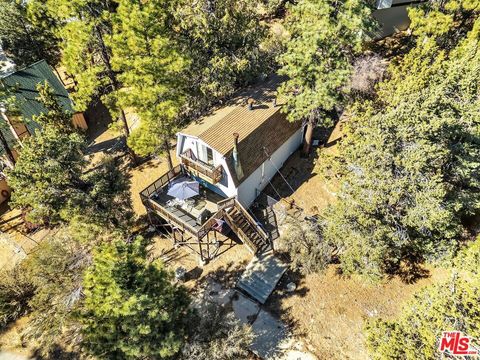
(246,228)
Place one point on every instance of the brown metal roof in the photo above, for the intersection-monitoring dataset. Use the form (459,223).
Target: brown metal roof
(264,139)
(265,126)
(217,128)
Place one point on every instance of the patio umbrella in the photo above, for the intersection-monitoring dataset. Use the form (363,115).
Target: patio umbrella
(184,190)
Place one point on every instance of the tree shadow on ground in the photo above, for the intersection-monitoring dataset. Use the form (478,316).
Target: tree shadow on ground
(274,303)
(57,353)
(298,168)
(98,118)
(412,269)
(227,275)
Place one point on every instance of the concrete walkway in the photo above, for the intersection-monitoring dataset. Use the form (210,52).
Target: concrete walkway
(273,340)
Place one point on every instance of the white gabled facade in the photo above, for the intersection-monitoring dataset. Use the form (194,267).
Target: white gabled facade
(226,186)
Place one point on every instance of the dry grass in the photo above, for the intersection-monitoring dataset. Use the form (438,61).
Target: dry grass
(144,175)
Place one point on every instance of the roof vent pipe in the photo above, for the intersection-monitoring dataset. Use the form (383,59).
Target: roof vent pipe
(236,159)
(250,103)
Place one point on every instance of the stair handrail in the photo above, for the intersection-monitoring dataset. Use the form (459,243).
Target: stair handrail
(252,221)
(226,203)
(240,232)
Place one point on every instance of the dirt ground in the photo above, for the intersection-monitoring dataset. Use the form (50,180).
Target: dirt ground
(301,181)
(225,268)
(329,310)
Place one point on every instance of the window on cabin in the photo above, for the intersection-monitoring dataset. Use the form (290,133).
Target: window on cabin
(205,154)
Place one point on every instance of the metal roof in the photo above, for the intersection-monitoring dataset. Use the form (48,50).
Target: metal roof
(25,82)
(264,127)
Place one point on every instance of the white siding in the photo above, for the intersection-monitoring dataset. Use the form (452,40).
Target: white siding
(186,142)
(249,189)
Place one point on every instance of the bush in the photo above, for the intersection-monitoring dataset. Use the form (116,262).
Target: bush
(304,242)
(447,306)
(217,335)
(16,290)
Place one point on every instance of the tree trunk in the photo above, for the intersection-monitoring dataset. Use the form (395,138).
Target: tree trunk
(307,143)
(116,86)
(125,123)
(59,76)
(169,157)
(8,152)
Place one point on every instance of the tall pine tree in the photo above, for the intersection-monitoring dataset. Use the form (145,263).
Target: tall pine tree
(151,65)
(26,39)
(132,308)
(409,163)
(324,37)
(84,27)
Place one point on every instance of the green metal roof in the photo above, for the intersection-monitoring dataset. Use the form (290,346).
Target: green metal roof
(25,81)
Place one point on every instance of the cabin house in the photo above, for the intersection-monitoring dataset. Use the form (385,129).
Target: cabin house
(24,83)
(232,154)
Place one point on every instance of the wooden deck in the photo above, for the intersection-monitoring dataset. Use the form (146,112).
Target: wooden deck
(211,199)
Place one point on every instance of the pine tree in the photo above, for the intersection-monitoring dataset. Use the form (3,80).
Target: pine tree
(224,40)
(47,177)
(324,38)
(446,306)
(51,181)
(409,163)
(24,39)
(151,65)
(8,103)
(84,28)
(54,114)
(132,309)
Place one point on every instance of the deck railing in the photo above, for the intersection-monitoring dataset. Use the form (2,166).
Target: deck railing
(158,185)
(161,182)
(214,174)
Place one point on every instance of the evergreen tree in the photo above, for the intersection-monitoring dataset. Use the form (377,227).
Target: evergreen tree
(409,163)
(224,40)
(151,65)
(47,287)
(54,114)
(132,309)
(47,178)
(447,306)
(324,38)
(8,102)
(447,21)
(84,27)
(26,40)
(51,181)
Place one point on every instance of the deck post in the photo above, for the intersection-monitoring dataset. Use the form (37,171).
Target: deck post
(208,244)
(201,260)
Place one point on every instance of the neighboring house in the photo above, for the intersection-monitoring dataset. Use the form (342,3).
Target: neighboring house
(392,16)
(24,83)
(15,128)
(233,153)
